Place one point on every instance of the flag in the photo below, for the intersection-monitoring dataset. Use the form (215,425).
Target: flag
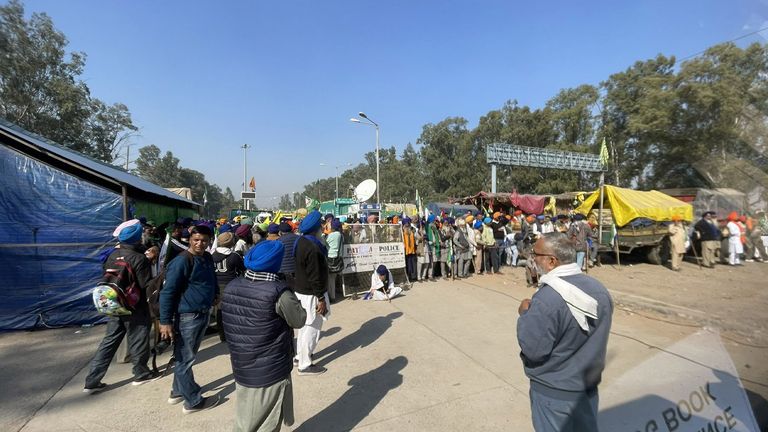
(205,196)
(252,184)
(604,154)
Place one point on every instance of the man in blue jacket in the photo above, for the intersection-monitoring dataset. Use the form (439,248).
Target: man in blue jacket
(189,292)
(563,335)
(260,312)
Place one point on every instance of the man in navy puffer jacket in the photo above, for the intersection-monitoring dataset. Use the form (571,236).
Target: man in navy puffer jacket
(259,312)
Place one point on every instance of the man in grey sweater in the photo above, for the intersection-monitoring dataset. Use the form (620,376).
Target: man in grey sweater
(563,335)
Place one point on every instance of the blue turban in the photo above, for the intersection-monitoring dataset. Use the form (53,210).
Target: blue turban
(487,220)
(131,234)
(540,217)
(578,217)
(406,220)
(478,224)
(273,228)
(336,225)
(382,270)
(310,223)
(265,256)
(285,227)
(431,218)
(225,228)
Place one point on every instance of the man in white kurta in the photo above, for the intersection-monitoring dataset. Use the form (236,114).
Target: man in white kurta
(383,284)
(735,248)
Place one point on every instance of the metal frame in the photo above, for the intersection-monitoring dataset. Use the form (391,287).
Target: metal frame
(508,154)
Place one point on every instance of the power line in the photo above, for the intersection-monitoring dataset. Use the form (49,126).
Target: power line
(731,40)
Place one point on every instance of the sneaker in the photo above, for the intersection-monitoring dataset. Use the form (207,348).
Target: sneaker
(175,399)
(149,378)
(207,403)
(312,370)
(97,388)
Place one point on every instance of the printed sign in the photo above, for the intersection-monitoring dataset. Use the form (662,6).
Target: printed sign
(365,257)
(695,389)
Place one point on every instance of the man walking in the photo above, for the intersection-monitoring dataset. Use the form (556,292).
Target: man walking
(136,325)
(677,237)
(311,275)
(563,335)
(709,235)
(259,312)
(189,291)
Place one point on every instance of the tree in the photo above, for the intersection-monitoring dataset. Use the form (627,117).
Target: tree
(40,88)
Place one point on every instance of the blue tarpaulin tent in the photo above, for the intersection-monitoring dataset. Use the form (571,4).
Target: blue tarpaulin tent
(58,209)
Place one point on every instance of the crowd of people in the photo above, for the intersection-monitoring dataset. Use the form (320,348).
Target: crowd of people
(260,282)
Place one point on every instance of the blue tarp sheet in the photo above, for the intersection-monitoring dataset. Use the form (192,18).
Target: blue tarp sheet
(53,227)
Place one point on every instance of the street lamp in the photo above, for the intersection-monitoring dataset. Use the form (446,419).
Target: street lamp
(337,175)
(375,125)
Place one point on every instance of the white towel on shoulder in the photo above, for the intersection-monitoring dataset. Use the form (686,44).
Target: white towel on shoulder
(581,304)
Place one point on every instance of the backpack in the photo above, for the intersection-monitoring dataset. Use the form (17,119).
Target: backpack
(118,291)
(156,285)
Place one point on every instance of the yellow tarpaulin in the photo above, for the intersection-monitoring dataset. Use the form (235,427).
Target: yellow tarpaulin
(628,204)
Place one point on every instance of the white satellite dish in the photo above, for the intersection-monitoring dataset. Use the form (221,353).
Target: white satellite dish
(365,190)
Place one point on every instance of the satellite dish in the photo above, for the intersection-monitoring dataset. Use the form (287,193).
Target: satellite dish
(365,190)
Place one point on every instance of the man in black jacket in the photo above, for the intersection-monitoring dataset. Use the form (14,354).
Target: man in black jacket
(310,286)
(259,312)
(709,234)
(136,325)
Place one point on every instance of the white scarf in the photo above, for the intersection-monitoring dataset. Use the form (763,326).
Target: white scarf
(581,305)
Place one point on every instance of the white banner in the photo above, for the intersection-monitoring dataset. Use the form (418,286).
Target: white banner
(365,257)
(697,388)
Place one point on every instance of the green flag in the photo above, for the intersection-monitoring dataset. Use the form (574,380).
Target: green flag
(604,153)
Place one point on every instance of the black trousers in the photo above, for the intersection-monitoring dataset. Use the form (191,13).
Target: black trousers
(137,329)
(410,267)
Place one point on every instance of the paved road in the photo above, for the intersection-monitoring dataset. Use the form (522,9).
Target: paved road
(442,357)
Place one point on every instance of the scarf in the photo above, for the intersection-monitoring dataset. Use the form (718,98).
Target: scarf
(260,276)
(581,305)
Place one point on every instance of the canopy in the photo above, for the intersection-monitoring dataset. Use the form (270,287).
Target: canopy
(628,204)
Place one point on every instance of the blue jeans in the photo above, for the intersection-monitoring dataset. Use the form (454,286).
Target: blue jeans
(580,258)
(189,329)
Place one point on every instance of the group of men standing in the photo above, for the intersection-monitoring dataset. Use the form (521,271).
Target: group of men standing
(259,310)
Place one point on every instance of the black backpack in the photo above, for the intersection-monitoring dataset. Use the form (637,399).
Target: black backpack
(156,285)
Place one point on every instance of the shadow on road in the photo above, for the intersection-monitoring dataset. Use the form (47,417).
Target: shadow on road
(360,338)
(366,391)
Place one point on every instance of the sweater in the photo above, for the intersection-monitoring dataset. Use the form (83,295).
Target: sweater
(557,354)
(186,295)
(311,272)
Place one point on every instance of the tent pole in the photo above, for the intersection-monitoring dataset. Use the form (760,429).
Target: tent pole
(600,217)
(125,202)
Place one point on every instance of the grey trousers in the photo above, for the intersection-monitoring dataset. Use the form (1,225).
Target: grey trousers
(263,409)
(551,414)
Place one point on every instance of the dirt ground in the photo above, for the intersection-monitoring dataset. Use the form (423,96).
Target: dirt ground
(441,357)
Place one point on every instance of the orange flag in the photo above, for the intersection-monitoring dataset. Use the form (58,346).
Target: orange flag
(252,184)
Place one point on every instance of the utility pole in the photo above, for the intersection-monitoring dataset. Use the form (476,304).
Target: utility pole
(245,148)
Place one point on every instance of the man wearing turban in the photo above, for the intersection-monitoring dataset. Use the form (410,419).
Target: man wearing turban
(383,285)
(135,326)
(310,285)
(259,313)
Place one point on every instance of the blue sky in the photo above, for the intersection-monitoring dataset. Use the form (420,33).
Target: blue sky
(203,78)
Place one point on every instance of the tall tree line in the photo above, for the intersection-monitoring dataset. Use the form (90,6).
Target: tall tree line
(699,123)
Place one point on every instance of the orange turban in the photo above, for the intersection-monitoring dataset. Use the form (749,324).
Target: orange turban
(496,215)
(733,216)
(676,218)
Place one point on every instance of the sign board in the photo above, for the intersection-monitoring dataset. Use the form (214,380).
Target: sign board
(370,206)
(247,195)
(695,389)
(365,257)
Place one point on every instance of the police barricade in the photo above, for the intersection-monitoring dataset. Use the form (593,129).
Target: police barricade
(366,247)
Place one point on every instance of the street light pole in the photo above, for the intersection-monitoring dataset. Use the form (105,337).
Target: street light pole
(245,148)
(375,125)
